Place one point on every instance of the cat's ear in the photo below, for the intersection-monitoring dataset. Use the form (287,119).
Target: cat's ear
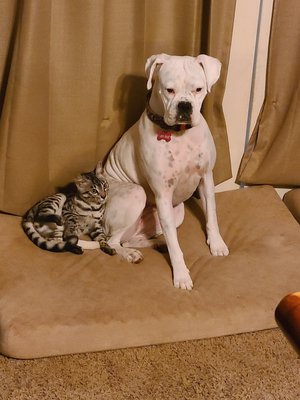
(99,169)
(80,183)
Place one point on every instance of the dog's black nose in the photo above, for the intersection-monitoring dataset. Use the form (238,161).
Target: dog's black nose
(184,107)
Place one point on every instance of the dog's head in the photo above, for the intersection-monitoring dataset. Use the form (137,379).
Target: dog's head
(181,84)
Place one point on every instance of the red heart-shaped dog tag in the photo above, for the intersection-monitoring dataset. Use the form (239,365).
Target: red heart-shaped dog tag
(163,135)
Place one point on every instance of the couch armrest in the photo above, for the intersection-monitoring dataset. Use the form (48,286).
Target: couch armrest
(292,201)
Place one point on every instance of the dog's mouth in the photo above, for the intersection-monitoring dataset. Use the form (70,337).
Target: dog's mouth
(183,122)
(182,119)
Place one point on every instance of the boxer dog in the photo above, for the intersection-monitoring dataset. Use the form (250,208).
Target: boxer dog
(161,160)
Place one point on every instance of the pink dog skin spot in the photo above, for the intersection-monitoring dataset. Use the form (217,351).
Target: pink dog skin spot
(163,135)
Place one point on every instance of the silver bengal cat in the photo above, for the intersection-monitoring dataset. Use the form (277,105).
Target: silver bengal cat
(57,222)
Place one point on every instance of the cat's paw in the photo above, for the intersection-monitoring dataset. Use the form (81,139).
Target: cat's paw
(75,249)
(72,246)
(107,249)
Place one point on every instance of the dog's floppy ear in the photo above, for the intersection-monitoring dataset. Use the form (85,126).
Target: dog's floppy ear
(151,64)
(211,67)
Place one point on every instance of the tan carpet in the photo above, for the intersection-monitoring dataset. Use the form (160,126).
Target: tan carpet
(258,366)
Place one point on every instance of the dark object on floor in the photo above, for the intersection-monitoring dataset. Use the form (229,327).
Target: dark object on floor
(287,316)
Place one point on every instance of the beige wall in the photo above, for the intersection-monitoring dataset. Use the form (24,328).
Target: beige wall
(237,95)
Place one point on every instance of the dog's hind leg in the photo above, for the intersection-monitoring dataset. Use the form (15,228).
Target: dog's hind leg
(126,202)
(127,253)
(149,229)
(141,241)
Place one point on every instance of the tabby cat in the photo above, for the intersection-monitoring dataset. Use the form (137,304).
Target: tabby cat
(56,222)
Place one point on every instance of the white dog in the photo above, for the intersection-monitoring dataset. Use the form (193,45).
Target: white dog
(161,160)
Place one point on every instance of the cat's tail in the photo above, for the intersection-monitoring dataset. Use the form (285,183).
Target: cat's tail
(52,244)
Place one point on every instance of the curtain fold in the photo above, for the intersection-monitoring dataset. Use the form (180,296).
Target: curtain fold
(72,81)
(216,33)
(272,155)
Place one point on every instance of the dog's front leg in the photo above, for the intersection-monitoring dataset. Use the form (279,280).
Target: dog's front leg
(181,275)
(214,239)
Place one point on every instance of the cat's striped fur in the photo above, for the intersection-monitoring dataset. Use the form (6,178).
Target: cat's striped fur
(57,222)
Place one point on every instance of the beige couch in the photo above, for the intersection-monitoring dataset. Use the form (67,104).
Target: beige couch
(63,303)
(292,201)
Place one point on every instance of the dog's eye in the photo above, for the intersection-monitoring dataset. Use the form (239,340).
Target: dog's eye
(169,90)
(198,89)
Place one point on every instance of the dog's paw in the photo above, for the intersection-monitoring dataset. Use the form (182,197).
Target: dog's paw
(131,255)
(182,280)
(217,246)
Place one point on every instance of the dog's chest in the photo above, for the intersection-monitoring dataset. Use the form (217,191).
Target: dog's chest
(177,166)
(183,159)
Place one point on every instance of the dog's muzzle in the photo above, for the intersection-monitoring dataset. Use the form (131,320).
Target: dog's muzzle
(184,112)
(159,119)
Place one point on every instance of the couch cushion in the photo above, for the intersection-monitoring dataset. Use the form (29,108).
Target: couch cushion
(63,303)
(292,201)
